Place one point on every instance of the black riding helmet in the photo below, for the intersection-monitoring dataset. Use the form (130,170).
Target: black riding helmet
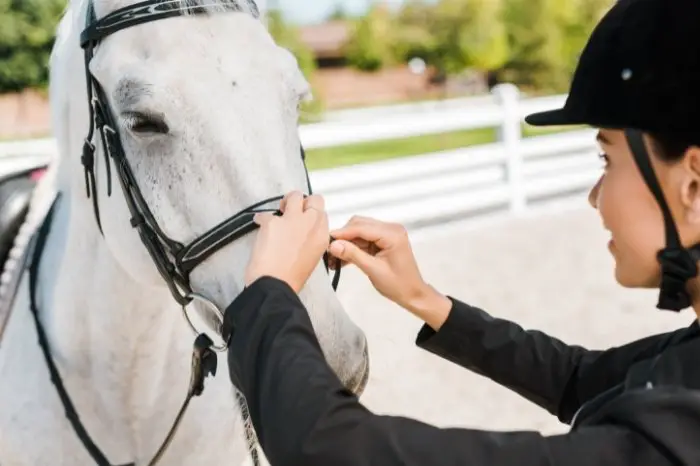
(640,71)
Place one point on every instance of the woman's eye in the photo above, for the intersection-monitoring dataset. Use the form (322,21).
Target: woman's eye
(141,123)
(604,157)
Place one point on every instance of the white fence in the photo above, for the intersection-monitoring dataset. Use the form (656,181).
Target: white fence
(379,111)
(508,175)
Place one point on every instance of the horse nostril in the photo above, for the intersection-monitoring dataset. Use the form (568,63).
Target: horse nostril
(361,342)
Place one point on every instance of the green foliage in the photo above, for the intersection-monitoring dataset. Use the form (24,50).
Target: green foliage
(582,18)
(370,44)
(27,29)
(414,37)
(546,38)
(455,35)
(535,38)
(532,43)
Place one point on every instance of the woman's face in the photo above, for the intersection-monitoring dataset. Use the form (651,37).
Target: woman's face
(631,214)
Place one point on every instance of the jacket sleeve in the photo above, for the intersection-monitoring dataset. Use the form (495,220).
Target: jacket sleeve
(304,416)
(555,376)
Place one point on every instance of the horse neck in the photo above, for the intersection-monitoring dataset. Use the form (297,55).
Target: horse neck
(117,343)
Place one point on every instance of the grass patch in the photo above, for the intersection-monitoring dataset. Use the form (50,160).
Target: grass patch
(24,138)
(351,154)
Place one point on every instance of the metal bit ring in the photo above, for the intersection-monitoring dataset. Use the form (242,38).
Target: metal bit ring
(217,313)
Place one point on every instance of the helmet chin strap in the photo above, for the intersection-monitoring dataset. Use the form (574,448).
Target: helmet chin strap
(678,265)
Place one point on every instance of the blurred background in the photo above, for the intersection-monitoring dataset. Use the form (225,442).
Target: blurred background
(418,118)
(400,87)
(356,53)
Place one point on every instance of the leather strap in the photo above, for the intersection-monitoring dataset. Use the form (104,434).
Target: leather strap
(204,360)
(678,264)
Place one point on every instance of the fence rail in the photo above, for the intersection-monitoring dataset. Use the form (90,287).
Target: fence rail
(507,175)
(485,114)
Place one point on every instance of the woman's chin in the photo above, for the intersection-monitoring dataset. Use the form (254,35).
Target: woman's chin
(630,277)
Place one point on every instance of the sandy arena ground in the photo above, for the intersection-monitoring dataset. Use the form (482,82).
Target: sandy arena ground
(551,272)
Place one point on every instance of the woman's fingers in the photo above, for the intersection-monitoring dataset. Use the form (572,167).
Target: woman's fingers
(366,246)
(315,202)
(263,218)
(349,252)
(292,203)
(383,235)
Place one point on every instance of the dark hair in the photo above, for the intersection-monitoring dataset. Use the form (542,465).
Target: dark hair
(670,147)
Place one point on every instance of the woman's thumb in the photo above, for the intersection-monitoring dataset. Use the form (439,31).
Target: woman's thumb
(349,252)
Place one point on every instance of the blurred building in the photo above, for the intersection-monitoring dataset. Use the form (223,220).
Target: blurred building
(342,86)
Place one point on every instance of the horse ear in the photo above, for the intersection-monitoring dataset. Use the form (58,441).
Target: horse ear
(297,78)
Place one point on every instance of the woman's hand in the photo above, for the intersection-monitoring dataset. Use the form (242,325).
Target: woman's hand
(383,252)
(290,246)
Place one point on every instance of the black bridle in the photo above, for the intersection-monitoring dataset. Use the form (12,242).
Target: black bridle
(174,260)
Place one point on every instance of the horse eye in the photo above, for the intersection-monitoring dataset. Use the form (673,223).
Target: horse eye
(141,123)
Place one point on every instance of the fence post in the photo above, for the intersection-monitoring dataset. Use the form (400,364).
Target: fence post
(510,135)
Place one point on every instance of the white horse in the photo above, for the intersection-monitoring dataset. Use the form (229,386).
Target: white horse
(207,111)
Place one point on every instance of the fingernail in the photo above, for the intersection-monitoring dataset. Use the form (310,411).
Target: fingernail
(337,248)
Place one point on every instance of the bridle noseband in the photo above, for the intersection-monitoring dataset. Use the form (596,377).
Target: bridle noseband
(174,261)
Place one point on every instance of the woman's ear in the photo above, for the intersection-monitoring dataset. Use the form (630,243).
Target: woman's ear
(690,186)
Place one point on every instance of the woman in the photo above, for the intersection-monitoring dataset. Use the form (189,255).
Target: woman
(638,404)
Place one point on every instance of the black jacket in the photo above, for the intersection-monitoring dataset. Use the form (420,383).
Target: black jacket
(637,404)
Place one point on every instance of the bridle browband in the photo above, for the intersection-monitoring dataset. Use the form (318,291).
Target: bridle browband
(173,260)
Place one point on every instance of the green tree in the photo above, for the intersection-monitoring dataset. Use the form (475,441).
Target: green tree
(27,30)
(414,35)
(545,38)
(582,18)
(370,45)
(288,37)
(535,40)
(453,35)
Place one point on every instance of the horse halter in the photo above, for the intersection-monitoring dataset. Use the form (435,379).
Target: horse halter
(174,260)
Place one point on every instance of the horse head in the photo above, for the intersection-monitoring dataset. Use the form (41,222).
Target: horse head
(193,119)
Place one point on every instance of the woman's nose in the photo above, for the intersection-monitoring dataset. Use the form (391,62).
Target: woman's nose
(593,194)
